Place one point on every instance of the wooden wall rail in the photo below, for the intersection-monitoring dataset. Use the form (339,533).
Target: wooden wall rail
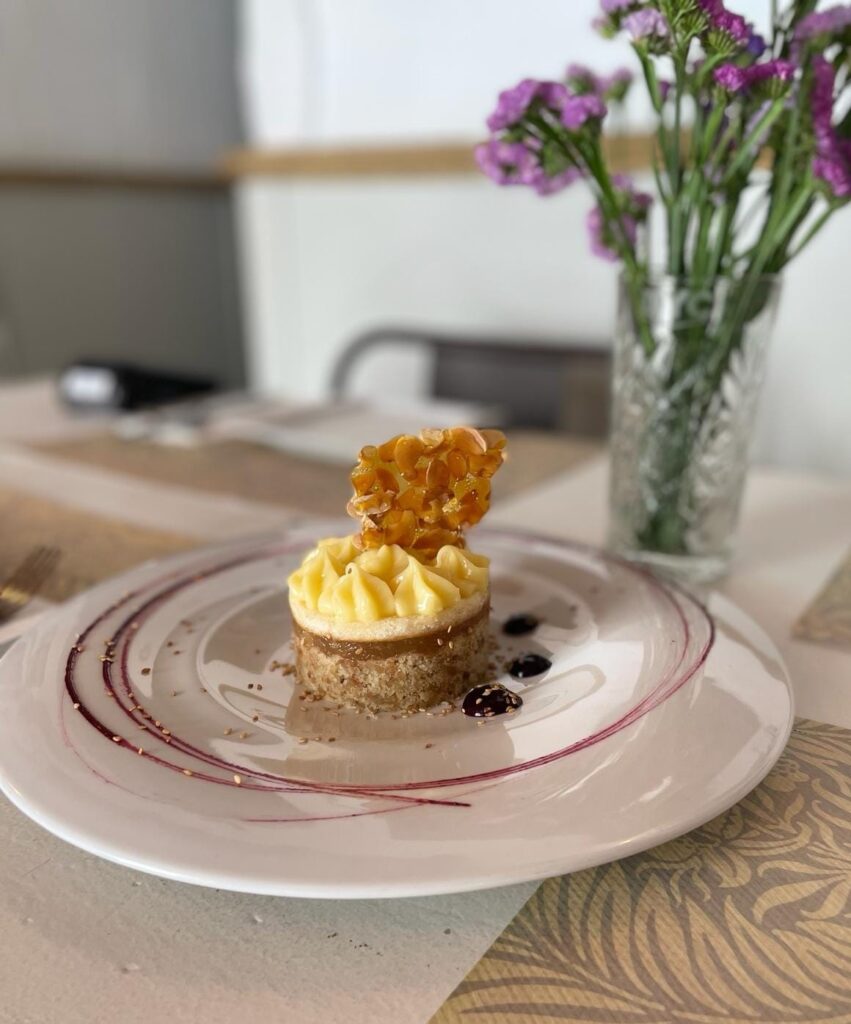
(626,153)
(436,159)
(34,176)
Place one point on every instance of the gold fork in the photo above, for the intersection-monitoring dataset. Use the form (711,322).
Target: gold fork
(26,580)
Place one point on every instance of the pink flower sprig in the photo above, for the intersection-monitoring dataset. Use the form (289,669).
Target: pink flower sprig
(648,28)
(832,158)
(731,31)
(824,24)
(610,88)
(603,234)
(771,73)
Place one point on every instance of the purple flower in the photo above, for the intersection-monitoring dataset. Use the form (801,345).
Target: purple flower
(514,103)
(636,201)
(822,98)
(835,171)
(616,6)
(583,80)
(513,163)
(600,237)
(621,76)
(506,163)
(604,236)
(824,23)
(647,26)
(553,95)
(832,159)
(756,45)
(578,110)
(614,11)
(547,185)
(736,79)
(731,77)
(616,85)
(735,26)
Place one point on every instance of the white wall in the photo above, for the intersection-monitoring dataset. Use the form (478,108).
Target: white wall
(333,70)
(325,260)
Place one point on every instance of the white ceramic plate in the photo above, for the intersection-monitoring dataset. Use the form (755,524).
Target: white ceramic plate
(147,722)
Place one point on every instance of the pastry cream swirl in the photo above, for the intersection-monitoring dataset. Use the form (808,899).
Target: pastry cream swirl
(348,585)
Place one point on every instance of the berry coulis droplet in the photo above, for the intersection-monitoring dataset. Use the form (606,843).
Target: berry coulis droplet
(528,665)
(490,700)
(520,625)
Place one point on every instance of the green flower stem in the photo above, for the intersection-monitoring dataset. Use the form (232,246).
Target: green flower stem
(723,240)
(676,240)
(650,79)
(708,138)
(782,172)
(634,272)
(749,150)
(660,185)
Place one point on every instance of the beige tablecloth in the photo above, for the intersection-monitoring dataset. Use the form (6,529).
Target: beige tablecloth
(88,942)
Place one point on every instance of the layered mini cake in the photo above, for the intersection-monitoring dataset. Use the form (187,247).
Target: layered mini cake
(395,616)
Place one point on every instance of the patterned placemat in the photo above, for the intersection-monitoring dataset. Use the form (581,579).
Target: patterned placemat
(746,919)
(222,467)
(93,547)
(321,488)
(828,618)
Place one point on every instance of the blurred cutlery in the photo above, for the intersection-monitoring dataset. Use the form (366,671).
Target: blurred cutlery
(26,580)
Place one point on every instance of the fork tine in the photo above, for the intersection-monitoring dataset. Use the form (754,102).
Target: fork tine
(21,572)
(33,570)
(43,569)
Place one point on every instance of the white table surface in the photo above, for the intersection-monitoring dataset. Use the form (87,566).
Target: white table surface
(85,942)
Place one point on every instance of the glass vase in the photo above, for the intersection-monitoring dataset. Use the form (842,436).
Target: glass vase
(688,368)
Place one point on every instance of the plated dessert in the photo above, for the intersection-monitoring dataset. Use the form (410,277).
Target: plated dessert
(394,617)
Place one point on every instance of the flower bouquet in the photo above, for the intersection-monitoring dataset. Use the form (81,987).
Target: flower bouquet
(752,156)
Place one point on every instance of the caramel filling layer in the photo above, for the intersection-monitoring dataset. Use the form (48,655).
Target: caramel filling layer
(368,650)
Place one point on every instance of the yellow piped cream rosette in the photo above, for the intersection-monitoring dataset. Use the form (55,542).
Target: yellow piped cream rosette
(342,587)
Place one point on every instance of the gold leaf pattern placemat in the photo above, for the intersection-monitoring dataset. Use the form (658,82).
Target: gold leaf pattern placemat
(828,619)
(747,919)
(93,547)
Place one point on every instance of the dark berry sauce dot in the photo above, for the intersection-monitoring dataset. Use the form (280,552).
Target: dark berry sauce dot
(520,625)
(528,665)
(490,700)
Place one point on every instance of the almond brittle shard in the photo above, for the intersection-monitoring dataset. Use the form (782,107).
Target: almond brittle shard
(422,492)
